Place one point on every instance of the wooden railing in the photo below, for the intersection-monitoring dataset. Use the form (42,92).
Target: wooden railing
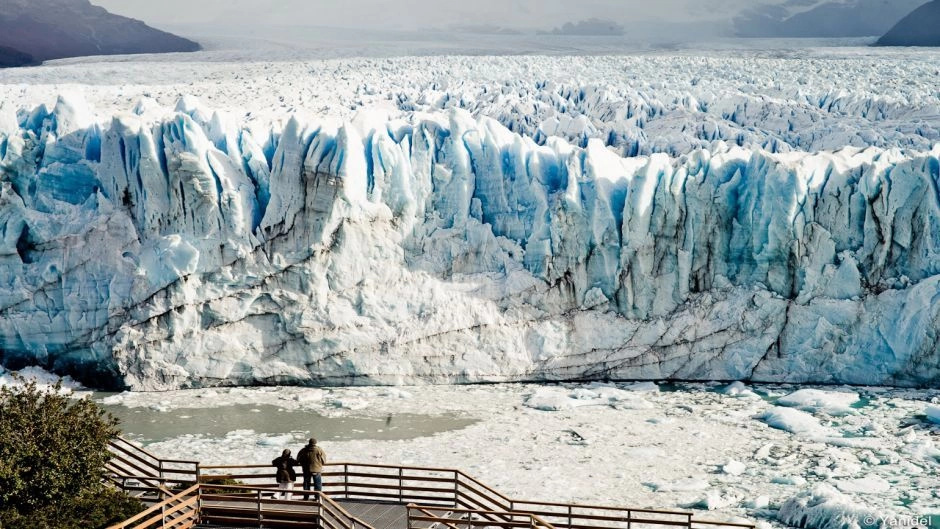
(249,506)
(243,507)
(180,511)
(423,517)
(136,470)
(133,468)
(372,482)
(442,487)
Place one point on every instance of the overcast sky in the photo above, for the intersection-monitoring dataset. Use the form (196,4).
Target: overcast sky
(409,14)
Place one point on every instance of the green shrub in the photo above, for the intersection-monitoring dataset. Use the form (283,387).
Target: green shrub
(91,509)
(53,449)
(221,481)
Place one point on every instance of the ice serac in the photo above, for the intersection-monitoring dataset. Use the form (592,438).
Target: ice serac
(178,249)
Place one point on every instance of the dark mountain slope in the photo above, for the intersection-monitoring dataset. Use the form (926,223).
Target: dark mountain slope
(10,57)
(53,29)
(836,19)
(920,28)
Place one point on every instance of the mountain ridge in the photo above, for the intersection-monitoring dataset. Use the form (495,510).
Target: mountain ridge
(919,28)
(858,18)
(57,29)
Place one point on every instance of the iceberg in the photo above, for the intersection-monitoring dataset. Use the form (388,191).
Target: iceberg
(177,249)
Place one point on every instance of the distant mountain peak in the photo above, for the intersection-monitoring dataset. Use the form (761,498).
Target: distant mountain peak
(920,28)
(822,19)
(55,29)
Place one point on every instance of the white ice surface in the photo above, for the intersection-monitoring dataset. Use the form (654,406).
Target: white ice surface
(455,219)
(825,401)
(795,421)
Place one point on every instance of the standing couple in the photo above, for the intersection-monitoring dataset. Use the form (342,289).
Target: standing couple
(311,459)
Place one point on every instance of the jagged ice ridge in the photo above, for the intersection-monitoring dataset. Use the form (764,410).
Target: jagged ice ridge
(177,249)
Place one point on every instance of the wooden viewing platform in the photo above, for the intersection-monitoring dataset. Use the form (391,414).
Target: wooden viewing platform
(185,494)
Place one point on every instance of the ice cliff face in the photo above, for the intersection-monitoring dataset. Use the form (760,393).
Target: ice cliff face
(180,249)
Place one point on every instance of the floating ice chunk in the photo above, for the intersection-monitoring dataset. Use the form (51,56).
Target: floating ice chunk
(555,399)
(632,403)
(734,468)
(549,399)
(620,398)
(584,394)
(307,396)
(760,502)
(794,421)
(115,400)
(835,403)
(163,406)
(738,389)
(395,393)
(682,485)
(349,403)
(933,413)
(714,501)
(824,507)
(281,441)
(923,449)
(789,480)
(764,451)
(642,387)
(865,485)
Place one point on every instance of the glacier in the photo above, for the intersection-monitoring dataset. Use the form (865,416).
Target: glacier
(167,248)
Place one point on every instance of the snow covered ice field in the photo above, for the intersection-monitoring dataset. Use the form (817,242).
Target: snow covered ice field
(771,215)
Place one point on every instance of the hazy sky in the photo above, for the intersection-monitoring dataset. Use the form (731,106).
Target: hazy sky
(407,14)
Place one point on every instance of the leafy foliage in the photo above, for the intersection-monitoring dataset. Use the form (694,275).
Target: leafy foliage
(53,449)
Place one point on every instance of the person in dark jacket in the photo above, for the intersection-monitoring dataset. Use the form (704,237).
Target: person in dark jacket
(285,473)
(312,458)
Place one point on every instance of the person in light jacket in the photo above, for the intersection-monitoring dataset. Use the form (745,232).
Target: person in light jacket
(286,475)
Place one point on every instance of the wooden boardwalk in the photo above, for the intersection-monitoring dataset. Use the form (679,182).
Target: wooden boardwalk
(378,515)
(187,495)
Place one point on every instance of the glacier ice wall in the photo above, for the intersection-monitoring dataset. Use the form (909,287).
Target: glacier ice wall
(185,250)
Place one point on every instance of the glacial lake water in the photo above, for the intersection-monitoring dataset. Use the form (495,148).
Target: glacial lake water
(150,426)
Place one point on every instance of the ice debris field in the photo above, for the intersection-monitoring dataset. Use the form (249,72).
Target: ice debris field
(460,219)
(819,458)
